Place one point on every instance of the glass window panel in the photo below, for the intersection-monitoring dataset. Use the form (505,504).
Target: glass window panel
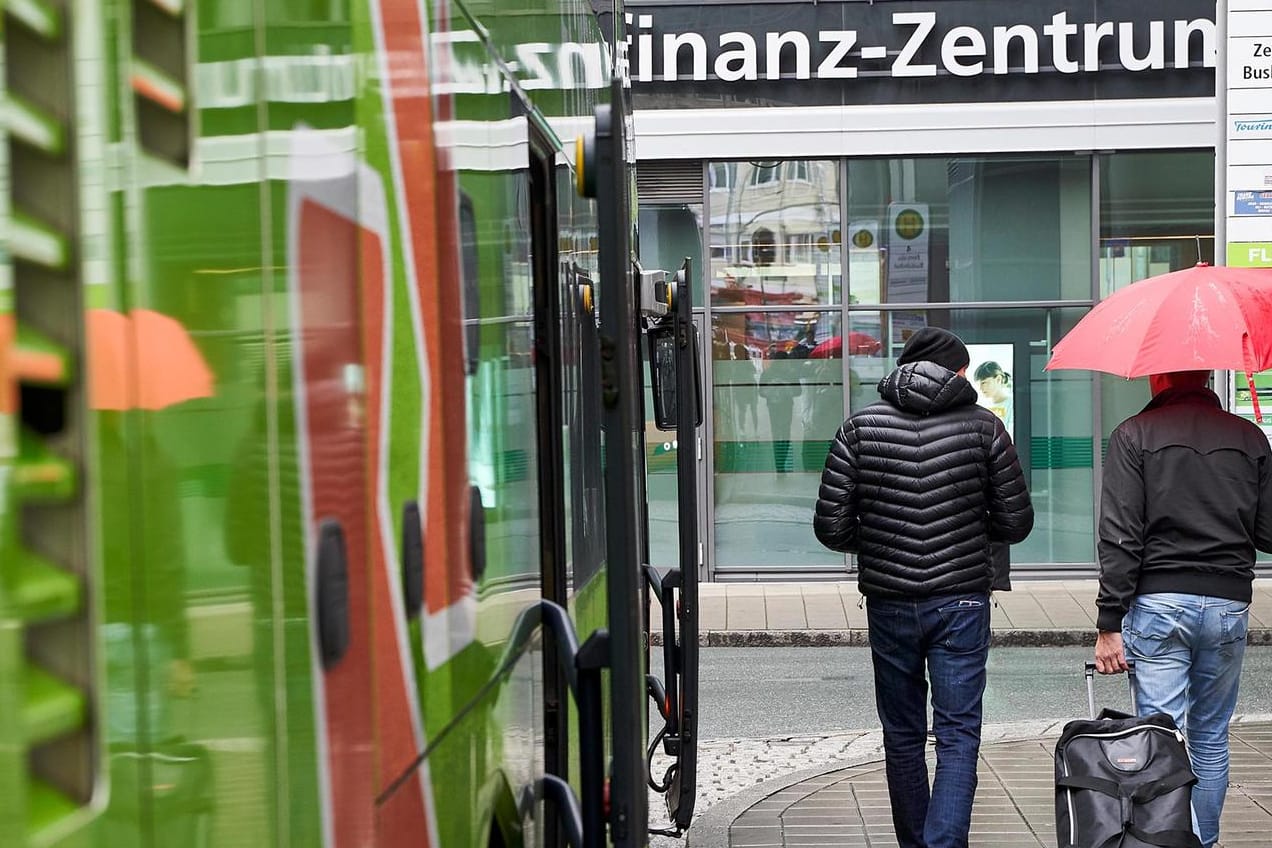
(722,175)
(662,483)
(503,451)
(969,228)
(669,233)
(777,401)
(1157,214)
(662,488)
(774,233)
(1048,412)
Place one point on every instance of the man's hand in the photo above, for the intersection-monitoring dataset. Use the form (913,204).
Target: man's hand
(1109,656)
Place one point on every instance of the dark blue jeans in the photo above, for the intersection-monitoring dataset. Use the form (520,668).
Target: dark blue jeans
(944,639)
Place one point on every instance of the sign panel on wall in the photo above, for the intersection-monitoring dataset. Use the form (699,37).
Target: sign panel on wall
(1247,181)
(1248,133)
(864,268)
(843,52)
(908,230)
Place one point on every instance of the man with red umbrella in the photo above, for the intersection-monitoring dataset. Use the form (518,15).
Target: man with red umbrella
(1187,498)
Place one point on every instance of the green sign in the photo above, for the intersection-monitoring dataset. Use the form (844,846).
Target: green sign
(1250,254)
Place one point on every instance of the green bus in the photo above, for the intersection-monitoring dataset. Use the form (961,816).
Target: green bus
(322,431)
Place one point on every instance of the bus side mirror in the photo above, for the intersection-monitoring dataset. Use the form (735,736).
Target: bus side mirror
(663,349)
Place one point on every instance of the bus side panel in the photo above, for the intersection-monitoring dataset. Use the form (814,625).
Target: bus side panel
(214,257)
(489,759)
(324,739)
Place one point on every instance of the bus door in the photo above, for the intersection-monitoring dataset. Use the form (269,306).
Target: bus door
(675,357)
(603,173)
(629,300)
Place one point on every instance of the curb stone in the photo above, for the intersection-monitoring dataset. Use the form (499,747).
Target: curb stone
(857,638)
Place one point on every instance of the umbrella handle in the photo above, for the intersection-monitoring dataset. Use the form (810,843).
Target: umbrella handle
(1254,397)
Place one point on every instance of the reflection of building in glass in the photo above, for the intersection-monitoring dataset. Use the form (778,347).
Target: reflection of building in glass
(1005,258)
(774,232)
(775,239)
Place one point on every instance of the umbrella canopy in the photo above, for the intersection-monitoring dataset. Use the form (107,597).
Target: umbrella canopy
(169,368)
(859,344)
(1199,319)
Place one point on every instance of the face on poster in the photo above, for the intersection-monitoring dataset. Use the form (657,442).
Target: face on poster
(989,372)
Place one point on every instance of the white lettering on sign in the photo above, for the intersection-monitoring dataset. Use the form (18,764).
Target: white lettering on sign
(672,45)
(744,56)
(1028,45)
(830,66)
(320,77)
(534,71)
(775,42)
(923,23)
(1092,35)
(1156,56)
(963,51)
(959,43)
(1060,29)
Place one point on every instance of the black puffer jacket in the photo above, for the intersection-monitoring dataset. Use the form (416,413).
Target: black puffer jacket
(920,485)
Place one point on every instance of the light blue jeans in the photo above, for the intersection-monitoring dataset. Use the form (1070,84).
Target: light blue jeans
(1187,651)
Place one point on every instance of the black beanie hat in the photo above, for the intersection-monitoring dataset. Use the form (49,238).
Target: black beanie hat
(932,344)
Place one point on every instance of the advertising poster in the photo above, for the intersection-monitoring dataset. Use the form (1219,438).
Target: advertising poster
(989,372)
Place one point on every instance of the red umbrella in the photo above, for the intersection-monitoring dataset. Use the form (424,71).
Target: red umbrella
(859,344)
(142,360)
(1198,319)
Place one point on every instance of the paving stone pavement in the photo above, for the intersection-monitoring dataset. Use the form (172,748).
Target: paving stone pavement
(737,774)
(830,790)
(1037,612)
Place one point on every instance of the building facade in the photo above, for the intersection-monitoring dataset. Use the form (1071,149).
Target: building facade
(843,173)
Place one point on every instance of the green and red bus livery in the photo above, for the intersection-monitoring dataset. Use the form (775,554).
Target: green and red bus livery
(322,415)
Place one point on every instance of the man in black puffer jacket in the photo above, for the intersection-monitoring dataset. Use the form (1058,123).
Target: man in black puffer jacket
(921,486)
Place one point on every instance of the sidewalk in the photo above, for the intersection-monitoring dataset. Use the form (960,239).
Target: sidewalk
(839,798)
(1037,612)
(846,804)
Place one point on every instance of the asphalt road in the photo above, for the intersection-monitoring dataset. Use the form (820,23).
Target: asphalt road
(772,692)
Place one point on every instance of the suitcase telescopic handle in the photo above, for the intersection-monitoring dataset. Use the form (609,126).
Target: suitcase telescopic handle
(1132,680)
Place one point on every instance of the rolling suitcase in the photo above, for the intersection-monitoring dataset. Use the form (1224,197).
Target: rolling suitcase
(1123,781)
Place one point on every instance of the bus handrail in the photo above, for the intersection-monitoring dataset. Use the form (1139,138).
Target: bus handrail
(559,792)
(581,666)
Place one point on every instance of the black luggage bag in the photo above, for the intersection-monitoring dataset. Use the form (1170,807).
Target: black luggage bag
(1122,781)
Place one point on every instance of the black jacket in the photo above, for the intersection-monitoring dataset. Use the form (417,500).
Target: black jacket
(920,485)
(1187,498)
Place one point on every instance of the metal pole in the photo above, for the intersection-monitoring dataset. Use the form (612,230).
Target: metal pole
(1224,378)
(1221,132)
